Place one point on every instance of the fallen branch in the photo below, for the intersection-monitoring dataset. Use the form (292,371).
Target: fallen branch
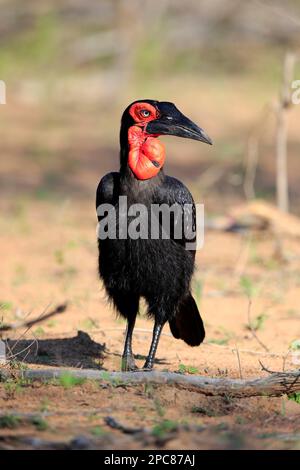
(276,384)
(30,323)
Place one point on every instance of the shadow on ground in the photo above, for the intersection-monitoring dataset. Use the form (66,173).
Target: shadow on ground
(79,351)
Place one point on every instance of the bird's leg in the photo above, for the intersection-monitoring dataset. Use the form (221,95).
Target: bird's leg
(127,357)
(155,339)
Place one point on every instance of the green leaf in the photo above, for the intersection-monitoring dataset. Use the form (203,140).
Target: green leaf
(187,369)
(295,397)
(295,345)
(248,287)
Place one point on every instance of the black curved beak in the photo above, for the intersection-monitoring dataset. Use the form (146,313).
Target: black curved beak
(178,125)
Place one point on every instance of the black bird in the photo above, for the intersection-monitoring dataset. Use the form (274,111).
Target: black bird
(160,269)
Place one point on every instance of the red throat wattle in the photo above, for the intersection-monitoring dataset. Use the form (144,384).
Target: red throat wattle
(146,153)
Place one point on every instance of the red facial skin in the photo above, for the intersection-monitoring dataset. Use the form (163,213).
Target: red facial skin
(144,149)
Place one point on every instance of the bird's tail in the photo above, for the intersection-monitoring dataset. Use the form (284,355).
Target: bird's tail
(187,324)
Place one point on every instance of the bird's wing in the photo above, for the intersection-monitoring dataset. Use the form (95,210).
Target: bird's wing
(172,192)
(108,189)
(175,192)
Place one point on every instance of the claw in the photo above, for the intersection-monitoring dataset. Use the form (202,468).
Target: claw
(148,366)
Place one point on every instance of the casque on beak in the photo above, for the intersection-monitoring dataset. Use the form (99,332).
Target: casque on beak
(175,123)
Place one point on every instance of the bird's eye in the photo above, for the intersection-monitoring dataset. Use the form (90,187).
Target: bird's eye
(145,113)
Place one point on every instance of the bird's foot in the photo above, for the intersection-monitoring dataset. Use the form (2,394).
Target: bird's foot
(128,363)
(148,366)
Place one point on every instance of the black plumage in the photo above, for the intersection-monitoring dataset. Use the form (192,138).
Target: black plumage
(159,270)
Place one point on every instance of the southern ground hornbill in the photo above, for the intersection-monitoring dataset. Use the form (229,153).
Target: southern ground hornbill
(157,269)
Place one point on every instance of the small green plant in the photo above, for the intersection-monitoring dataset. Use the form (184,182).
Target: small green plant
(105,376)
(187,369)
(240,420)
(68,380)
(203,411)
(258,322)
(97,431)
(159,408)
(11,389)
(223,341)
(160,430)
(39,423)
(295,345)
(4,305)
(43,194)
(222,426)
(59,257)
(117,382)
(89,324)
(149,390)
(295,397)
(18,365)
(9,421)
(52,323)
(271,264)
(219,341)
(72,244)
(14,386)
(39,331)
(247,286)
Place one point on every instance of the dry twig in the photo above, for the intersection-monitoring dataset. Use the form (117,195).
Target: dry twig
(239,361)
(28,324)
(253,332)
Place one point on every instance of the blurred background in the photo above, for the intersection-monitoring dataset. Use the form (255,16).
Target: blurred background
(71,67)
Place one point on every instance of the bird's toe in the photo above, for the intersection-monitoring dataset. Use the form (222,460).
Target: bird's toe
(128,364)
(147,367)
